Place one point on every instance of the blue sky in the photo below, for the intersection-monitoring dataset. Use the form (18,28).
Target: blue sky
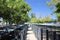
(40,8)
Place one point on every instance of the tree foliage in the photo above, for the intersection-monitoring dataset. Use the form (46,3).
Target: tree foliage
(56,4)
(52,2)
(41,19)
(57,11)
(44,19)
(14,10)
(33,15)
(33,18)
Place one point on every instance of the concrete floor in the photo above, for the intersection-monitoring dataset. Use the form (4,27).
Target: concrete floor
(30,34)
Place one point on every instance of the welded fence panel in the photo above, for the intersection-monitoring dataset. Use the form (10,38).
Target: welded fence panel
(46,32)
(19,33)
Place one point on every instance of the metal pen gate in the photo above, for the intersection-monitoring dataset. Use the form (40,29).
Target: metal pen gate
(46,32)
(18,33)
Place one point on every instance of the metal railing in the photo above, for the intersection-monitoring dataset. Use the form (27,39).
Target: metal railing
(46,31)
(18,33)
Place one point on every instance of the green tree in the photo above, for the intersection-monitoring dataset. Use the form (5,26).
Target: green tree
(47,18)
(52,2)
(33,15)
(33,18)
(56,5)
(57,11)
(44,19)
(40,20)
(14,10)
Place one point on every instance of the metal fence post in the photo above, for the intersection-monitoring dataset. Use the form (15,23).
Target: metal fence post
(41,34)
(47,37)
(54,35)
(21,36)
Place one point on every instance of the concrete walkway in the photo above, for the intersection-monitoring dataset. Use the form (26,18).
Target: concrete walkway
(30,34)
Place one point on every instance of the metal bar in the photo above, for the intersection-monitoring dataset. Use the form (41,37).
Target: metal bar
(54,35)
(47,37)
(41,34)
